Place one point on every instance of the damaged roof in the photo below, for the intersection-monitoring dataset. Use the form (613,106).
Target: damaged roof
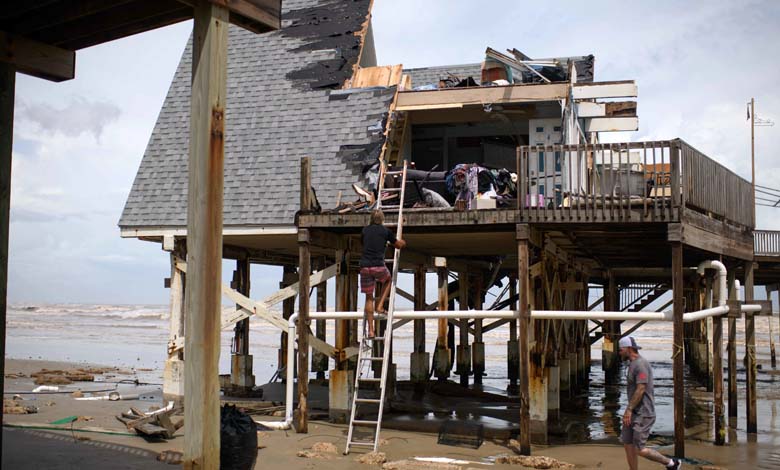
(283,103)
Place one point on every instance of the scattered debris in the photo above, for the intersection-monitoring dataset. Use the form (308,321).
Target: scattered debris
(171,457)
(711,467)
(66,420)
(535,461)
(16,407)
(52,380)
(155,424)
(372,458)
(46,388)
(415,465)
(325,447)
(308,454)
(17,375)
(77,394)
(64,377)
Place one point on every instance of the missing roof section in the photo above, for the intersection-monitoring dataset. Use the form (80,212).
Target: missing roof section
(337,25)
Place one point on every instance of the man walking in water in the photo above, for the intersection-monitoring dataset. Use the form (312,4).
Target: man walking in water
(640,412)
(372,265)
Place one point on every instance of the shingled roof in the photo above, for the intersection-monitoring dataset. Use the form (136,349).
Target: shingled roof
(283,103)
(427,75)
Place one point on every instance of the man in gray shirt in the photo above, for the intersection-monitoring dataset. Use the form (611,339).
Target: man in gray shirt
(640,412)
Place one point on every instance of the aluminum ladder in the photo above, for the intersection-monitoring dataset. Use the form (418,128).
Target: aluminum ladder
(365,353)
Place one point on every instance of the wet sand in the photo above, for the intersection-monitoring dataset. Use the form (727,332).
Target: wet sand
(280,447)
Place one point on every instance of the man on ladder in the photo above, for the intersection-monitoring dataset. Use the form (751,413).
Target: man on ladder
(372,265)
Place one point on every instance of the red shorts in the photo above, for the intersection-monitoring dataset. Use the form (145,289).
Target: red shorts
(370,275)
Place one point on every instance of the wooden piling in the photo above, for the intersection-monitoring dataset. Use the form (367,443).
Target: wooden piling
(319,361)
(524,313)
(173,375)
(513,362)
(772,356)
(750,353)
(7,92)
(442,351)
(419,360)
(204,236)
(478,346)
(464,351)
(304,272)
(241,361)
(717,374)
(731,348)
(678,377)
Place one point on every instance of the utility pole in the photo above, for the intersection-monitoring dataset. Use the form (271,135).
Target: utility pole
(753,153)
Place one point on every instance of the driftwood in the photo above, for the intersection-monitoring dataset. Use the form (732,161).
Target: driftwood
(157,425)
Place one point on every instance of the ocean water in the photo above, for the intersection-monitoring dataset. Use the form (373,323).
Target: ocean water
(135,336)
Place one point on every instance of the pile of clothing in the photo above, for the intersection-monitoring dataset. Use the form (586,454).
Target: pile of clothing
(468,182)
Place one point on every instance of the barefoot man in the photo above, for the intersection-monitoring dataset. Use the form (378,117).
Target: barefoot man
(372,265)
(640,412)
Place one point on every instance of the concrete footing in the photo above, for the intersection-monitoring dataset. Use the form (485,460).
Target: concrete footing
(566,376)
(478,359)
(538,404)
(241,371)
(340,387)
(441,363)
(553,393)
(463,362)
(420,367)
(173,381)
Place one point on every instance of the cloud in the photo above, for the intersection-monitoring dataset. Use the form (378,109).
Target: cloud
(78,117)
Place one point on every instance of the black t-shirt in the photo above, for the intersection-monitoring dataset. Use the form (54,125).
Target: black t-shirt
(375,240)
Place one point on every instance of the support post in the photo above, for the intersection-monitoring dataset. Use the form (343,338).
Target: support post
(304,272)
(464,351)
(289,277)
(319,361)
(173,375)
(241,377)
(512,346)
(478,347)
(419,358)
(341,381)
(717,374)
(7,92)
(442,353)
(609,352)
(772,356)
(732,354)
(678,377)
(750,353)
(204,236)
(524,321)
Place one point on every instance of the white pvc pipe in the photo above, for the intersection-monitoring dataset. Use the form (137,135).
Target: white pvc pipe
(722,278)
(290,377)
(707,312)
(580,315)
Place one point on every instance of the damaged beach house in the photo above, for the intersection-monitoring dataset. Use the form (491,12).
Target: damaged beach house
(495,175)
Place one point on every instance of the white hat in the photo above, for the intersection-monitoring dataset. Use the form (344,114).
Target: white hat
(628,342)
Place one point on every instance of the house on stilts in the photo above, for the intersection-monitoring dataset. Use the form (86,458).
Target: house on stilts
(509,183)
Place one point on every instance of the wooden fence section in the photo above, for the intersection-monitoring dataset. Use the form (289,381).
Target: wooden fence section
(711,187)
(626,182)
(766,242)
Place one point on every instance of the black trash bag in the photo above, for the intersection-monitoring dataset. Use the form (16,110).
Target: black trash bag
(238,440)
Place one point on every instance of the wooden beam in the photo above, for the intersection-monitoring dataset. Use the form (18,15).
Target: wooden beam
(384,75)
(678,377)
(304,272)
(478,96)
(731,349)
(590,109)
(204,239)
(594,90)
(7,92)
(292,290)
(611,124)
(61,12)
(36,58)
(524,322)
(717,376)
(750,353)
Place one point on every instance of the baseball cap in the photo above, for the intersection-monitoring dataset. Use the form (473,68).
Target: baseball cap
(628,342)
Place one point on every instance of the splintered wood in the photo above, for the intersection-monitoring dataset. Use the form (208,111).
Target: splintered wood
(386,75)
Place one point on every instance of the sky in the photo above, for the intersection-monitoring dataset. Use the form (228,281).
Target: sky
(78,144)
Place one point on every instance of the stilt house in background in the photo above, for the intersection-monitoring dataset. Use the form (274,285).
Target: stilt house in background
(628,220)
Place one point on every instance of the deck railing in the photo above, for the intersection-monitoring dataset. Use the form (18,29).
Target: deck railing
(766,242)
(634,181)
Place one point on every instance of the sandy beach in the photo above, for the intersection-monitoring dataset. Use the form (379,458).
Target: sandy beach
(278,449)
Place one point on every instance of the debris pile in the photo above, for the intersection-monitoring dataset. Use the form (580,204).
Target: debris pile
(319,450)
(535,461)
(155,424)
(15,406)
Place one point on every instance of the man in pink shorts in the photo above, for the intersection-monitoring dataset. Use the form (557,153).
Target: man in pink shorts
(372,265)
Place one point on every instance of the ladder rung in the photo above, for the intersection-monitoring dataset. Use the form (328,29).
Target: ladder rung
(362,443)
(398,172)
(389,260)
(376,359)
(375,338)
(369,379)
(392,206)
(367,400)
(392,189)
(363,421)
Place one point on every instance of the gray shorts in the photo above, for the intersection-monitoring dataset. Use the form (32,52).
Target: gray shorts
(638,432)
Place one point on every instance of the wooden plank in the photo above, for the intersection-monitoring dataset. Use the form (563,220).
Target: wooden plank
(258,16)
(304,273)
(292,290)
(525,326)
(677,350)
(383,75)
(204,237)
(717,380)
(732,353)
(7,92)
(477,96)
(619,89)
(36,58)
(611,124)
(750,353)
